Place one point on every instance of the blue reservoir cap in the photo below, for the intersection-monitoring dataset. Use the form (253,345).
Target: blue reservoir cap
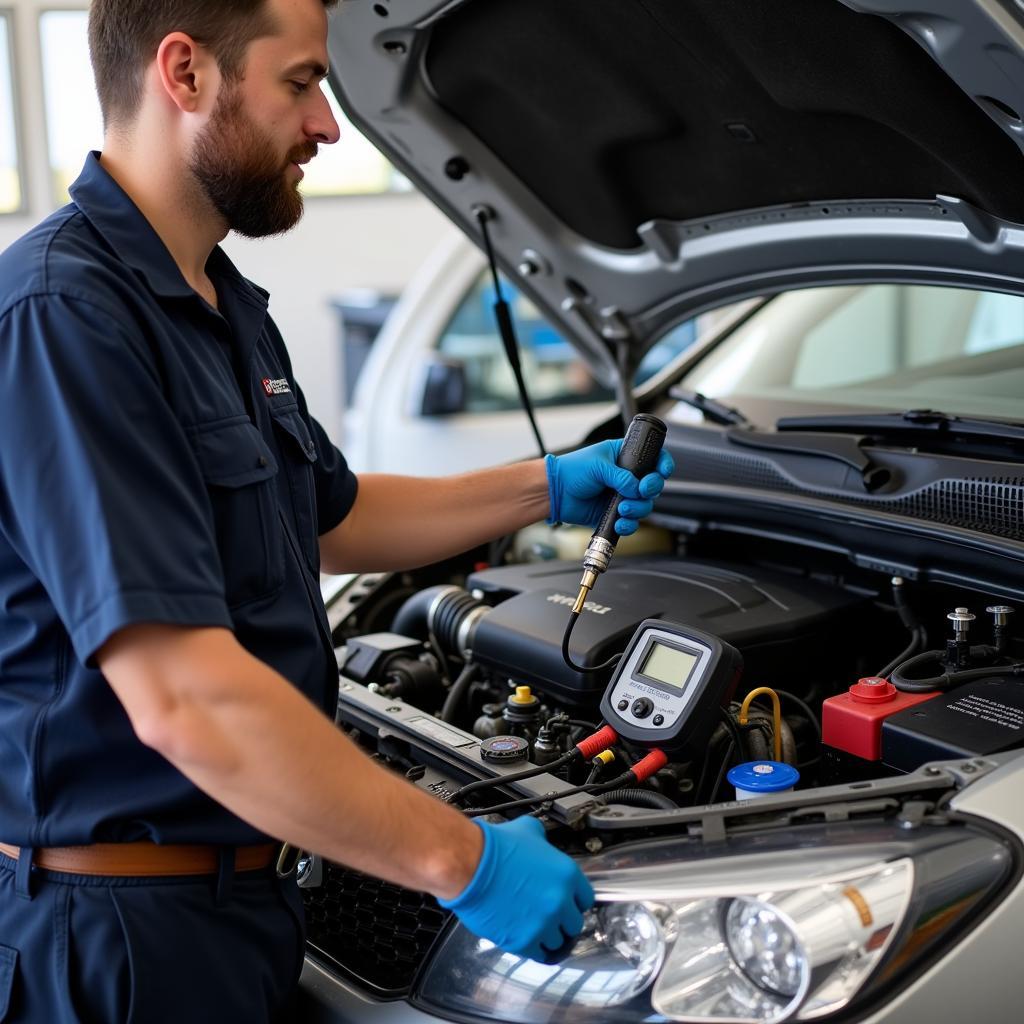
(763,776)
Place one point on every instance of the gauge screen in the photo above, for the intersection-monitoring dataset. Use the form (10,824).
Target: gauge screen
(668,665)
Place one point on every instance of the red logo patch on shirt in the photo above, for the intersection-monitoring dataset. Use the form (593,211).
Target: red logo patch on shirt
(276,386)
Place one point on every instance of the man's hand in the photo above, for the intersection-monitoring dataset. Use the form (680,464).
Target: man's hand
(526,897)
(578,483)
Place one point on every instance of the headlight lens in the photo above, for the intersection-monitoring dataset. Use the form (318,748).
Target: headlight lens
(765,947)
(803,944)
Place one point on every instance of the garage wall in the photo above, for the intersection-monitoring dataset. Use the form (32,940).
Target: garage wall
(373,242)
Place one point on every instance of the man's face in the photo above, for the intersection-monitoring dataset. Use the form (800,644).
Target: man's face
(247,176)
(245,158)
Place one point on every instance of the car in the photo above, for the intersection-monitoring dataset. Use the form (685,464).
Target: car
(809,663)
(437,395)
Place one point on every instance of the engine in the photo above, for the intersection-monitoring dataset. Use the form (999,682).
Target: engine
(463,687)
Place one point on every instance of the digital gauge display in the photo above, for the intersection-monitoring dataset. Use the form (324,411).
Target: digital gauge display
(668,665)
(669,686)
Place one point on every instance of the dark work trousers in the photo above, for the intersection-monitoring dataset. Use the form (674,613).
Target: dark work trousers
(80,949)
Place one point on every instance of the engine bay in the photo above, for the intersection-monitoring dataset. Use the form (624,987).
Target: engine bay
(836,678)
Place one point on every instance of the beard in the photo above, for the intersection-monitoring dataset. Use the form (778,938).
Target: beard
(241,173)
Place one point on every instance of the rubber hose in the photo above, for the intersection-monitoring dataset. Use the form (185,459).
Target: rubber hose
(452,605)
(453,702)
(916,641)
(762,748)
(634,797)
(411,618)
(947,679)
(758,748)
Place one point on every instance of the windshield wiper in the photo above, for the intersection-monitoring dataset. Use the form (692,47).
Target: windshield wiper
(912,421)
(717,412)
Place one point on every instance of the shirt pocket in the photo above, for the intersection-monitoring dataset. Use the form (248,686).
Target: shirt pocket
(238,467)
(299,455)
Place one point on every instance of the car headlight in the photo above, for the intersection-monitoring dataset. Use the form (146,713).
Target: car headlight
(779,928)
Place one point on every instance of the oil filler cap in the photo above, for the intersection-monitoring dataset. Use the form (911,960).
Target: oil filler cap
(872,690)
(504,749)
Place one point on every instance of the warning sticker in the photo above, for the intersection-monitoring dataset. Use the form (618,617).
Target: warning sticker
(991,711)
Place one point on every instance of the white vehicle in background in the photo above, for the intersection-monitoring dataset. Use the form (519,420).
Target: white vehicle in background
(436,394)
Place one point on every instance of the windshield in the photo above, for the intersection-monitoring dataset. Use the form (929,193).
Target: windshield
(880,347)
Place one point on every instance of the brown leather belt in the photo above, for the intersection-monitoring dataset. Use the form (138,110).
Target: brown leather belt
(143,859)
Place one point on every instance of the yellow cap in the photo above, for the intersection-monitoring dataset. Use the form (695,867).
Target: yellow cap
(605,757)
(522,696)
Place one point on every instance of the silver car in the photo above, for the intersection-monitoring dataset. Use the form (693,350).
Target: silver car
(845,519)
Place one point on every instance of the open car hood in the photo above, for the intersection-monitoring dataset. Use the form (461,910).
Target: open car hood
(645,160)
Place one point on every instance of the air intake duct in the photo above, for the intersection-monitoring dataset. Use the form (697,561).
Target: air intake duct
(450,613)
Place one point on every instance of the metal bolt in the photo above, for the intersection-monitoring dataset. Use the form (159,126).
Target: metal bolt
(961,619)
(394,708)
(932,770)
(1001,612)
(594,845)
(396,48)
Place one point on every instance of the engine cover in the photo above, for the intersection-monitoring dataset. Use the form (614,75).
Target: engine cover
(522,636)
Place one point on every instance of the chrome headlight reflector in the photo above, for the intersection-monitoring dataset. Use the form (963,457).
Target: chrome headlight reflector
(774,956)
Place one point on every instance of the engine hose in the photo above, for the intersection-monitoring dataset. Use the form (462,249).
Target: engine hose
(449,612)
(757,742)
(635,797)
(456,695)
(901,681)
(916,641)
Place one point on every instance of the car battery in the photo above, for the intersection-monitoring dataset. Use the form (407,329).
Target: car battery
(853,721)
(981,717)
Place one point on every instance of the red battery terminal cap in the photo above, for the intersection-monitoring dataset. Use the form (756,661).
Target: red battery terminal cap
(873,690)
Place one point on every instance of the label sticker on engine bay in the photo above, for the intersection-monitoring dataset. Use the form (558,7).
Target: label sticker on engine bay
(989,711)
(436,731)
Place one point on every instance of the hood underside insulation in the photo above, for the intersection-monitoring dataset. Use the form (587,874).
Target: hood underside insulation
(616,112)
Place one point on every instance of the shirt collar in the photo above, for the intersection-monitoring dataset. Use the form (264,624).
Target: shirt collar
(112,213)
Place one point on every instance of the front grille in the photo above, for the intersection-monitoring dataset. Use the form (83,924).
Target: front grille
(377,933)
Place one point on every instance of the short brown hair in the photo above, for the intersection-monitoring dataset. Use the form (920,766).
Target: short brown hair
(124,36)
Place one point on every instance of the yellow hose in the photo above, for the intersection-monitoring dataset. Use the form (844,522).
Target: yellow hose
(776,714)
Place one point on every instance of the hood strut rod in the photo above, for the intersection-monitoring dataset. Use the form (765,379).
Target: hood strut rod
(505,325)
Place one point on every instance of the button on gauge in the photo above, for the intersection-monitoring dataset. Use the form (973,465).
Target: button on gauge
(622,705)
(658,720)
(642,707)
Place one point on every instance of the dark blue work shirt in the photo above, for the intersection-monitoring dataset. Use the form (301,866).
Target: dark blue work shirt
(157,464)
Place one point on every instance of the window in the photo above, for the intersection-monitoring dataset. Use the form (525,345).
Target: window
(352,166)
(11,198)
(73,122)
(74,125)
(555,373)
(879,346)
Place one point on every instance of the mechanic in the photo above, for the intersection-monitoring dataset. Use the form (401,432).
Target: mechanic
(167,677)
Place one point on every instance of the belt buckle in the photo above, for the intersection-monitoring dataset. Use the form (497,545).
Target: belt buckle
(287,860)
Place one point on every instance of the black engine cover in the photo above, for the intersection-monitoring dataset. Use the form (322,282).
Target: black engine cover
(522,636)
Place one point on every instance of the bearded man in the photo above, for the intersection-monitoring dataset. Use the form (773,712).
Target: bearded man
(167,679)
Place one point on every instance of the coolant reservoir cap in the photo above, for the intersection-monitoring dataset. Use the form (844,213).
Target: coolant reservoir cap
(763,777)
(872,690)
(504,749)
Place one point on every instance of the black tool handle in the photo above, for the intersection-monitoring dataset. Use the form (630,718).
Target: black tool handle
(640,450)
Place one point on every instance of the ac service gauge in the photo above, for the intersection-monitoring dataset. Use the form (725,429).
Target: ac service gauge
(669,685)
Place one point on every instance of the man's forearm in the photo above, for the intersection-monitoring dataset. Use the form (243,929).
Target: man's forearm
(400,522)
(251,741)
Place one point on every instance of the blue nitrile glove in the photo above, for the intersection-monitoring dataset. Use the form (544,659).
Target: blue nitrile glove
(526,897)
(578,482)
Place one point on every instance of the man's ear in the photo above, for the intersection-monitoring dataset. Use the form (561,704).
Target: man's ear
(187,71)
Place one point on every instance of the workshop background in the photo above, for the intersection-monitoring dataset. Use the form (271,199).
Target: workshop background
(364,234)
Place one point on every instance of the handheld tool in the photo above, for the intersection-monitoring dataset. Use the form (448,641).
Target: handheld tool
(639,454)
